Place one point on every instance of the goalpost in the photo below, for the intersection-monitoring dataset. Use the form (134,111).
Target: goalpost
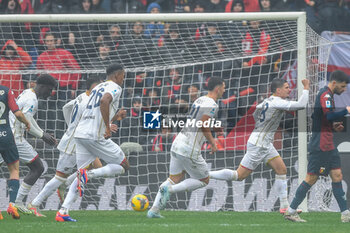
(193,47)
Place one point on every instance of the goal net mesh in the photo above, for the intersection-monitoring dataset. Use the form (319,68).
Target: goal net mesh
(168,65)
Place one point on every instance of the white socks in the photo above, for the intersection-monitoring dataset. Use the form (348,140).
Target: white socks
(70,198)
(48,190)
(110,170)
(224,174)
(155,206)
(187,185)
(23,191)
(281,184)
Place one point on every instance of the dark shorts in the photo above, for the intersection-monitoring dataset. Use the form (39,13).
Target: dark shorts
(321,162)
(10,153)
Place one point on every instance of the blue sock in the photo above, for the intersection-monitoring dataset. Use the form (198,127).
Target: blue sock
(13,186)
(300,195)
(339,195)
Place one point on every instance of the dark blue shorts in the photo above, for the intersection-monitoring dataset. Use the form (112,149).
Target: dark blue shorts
(9,153)
(321,162)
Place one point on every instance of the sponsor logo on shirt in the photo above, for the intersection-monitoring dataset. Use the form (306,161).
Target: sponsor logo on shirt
(328,104)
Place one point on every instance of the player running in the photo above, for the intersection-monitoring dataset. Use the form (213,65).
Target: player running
(186,150)
(72,111)
(93,134)
(323,157)
(268,115)
(8,149)
(28,103)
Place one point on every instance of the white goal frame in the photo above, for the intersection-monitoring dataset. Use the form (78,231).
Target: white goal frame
(299,17)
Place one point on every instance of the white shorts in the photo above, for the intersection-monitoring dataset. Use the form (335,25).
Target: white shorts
(88,149)
(197,169)
(26,152)
(66,163)
(256,154)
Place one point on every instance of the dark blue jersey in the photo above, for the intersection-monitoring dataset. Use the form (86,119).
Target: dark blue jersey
(322,121)
(7,103)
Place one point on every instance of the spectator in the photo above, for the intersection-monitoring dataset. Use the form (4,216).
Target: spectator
(83,7)
(104,59)
(130,6)
(13,58)
(154,30)
(216,6)
(174,48)
(265,5)
(249,5)
(18,32)
(235,6)
(198,6)
(97,7)
(332,17)
(162,141)
(256,42)
(177,6)
(59,60)
(139,48)
(52,6)
(116,42)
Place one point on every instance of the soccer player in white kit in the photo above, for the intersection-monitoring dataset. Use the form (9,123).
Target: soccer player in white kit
(27,102)
(267,116)
(186,150)
(93,134)
(72,112)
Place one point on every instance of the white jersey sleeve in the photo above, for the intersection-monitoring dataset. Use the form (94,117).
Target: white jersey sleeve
(268,115)
(189,141)
(67,110)
(91,125)
(28,104)
(77,106)
(288,105)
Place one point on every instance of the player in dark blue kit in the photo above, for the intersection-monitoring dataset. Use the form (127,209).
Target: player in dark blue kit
(8,149)
(323,157)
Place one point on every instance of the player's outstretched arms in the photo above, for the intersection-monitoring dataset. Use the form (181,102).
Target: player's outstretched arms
(20,116)
(49,139)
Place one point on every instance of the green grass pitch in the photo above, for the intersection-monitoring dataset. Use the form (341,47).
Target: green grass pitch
(174,221)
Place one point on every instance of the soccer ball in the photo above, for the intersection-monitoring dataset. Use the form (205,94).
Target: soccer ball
(139,202)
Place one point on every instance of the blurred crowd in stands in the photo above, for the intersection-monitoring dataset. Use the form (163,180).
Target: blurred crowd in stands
(85,46)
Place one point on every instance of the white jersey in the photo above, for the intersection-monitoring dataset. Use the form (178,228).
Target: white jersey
(268,115)
(91,125)
(78,105)
(28,104)
(189,141)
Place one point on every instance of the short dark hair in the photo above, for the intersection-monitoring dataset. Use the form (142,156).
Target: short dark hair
(339,76)
(277,83)
(114,68)
(46,79)
(214,82)
(91,80)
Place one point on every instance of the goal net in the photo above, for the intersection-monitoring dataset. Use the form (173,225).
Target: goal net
(168,61)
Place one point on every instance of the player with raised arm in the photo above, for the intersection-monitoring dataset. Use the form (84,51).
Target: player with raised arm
(28,103)
(8,149)
(323,157)
(93,134)
(73,111)
(267,116)
(186,150)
